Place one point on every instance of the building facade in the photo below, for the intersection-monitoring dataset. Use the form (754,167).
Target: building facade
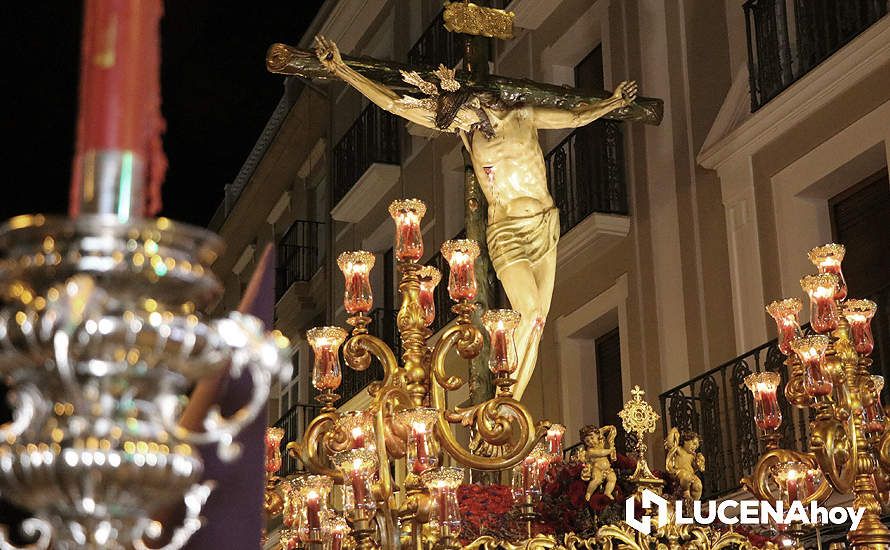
(775,139)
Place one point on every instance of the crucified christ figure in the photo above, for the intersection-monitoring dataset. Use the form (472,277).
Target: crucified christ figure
(502,140)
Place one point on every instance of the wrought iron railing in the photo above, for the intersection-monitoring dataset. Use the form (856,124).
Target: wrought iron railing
(585,173)
(441,299)
(294,423)
(298,255)
(788,38)
(719,407)
(373,137)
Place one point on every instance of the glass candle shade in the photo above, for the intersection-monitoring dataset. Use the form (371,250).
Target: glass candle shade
(359,467)
(442,484)
(422,452)
(359,429)
(872,409)
(791,478)
(859,314)
(293,507)
(785,313)
(823,308)
(554,440)
(811,352)
(326,342)
(763,386)
(356,267)
(273,439)
(407,214)
(314,497)
(337,530)
(827,258)
(429,278)
(526,480)
(461,256)
(501,324)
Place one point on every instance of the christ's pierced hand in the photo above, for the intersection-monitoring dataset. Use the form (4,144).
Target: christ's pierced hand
(626,92)
(328,53)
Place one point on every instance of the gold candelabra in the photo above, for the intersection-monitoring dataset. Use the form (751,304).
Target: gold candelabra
(408,416)
(849,443)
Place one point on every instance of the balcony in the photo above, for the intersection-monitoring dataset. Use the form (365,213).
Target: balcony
(438,45)
(719,407)
(294,422)
(298,256)
(788,38)
(368,152)
(585,174)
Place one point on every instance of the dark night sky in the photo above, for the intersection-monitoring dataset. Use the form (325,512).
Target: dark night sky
(217,96)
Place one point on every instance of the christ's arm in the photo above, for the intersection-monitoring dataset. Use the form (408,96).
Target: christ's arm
(379,94)
(550,118)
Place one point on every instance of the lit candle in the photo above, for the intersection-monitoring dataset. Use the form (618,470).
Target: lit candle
(554,440)
(791,484)
(120,123)
(325,342)
(407,214)
(358,438)
(358,481)
(420,443)
(356,267)
(859,314)
(501,325)
(429,278)
(827,258)
(313,506)
(823,308)
(763,386)
(785,313)
(461,255)
(273,439)
(442,484)
(811,352)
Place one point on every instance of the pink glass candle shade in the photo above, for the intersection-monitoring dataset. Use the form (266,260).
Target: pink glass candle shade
(763,386)
(359,467)
(326,342)
(554,440)
(290,514)
(823,308)
(314,496)
(501,324)
(461,256)
(526,480)
(359,428)
(792,480)
(785,313)
(811,352)
(337,530)
(442,484)
(273,438)
(827,258)
(356,267)
(422,451)
(429,278)
(859,314)
(872,409)
(407,214)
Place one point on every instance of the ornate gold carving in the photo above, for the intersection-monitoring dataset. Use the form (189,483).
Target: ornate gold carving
(468,18)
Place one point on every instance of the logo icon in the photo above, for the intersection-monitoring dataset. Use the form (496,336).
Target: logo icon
(647,500)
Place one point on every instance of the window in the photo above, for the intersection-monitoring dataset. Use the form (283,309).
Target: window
(860,220)
(608,381)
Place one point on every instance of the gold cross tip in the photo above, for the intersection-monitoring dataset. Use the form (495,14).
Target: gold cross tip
(468,18)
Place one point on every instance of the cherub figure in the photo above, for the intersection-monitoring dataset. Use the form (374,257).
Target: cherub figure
(597,456)
(684,461)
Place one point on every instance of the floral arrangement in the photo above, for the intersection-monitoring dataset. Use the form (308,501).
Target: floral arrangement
(489,510)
